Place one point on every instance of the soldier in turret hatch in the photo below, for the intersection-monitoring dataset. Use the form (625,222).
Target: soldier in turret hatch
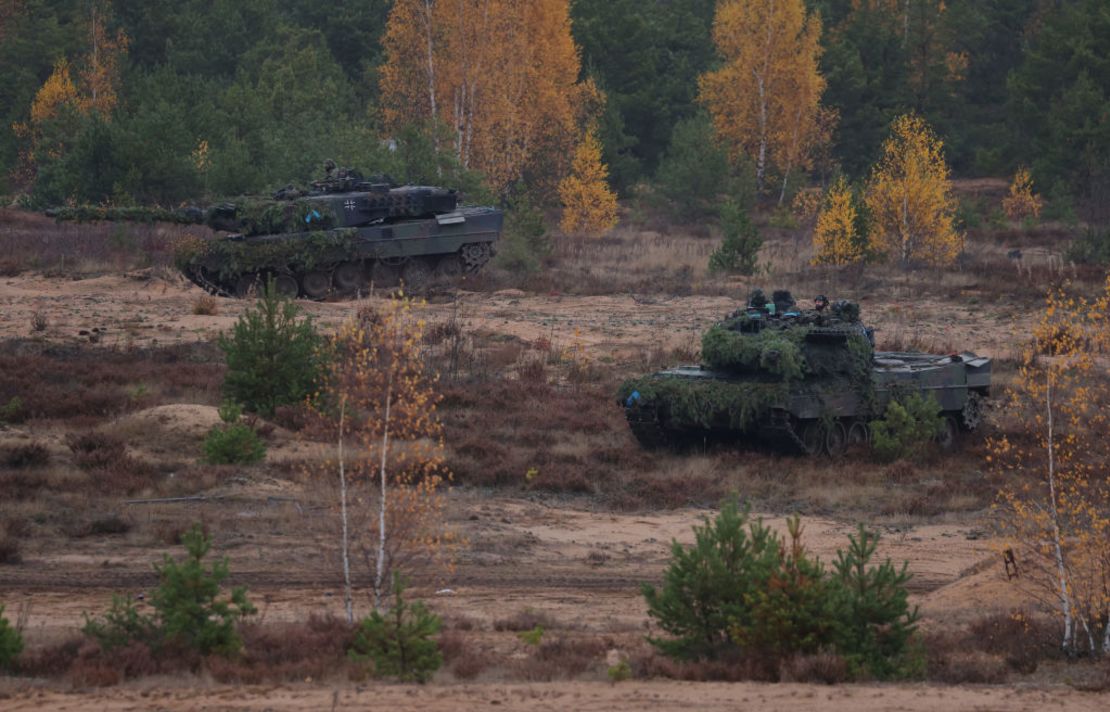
(820,303)
(329,169)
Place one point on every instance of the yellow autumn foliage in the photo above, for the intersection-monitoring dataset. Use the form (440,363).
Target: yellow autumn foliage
(910,197)
(589,205)
(764,99)
(1055,505)
(1022,203)
(502,74)
(835,241)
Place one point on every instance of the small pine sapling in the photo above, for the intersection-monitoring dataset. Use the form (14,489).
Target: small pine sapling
(11,643)
(401,642)
(873,625)
(188,604)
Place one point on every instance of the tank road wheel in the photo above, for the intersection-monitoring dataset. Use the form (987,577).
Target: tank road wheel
(449,267)
(836,439)
(349,277)
(946,440)
(316,284)
(813,437)
(858,434)
(286,286)
(475,255)
(385,275)
(416,274)
(972,414)
(248,285)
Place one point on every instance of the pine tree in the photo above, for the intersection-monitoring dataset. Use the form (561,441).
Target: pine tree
(400,642)
(910,198)
(739,250)
(589,206)
(272,357)
(836,240)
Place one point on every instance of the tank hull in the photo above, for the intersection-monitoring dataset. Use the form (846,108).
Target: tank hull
(697,404)
(341,261)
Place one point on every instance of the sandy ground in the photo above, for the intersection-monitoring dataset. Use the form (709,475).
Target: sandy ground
(155,308)
(578,565)
(654,696)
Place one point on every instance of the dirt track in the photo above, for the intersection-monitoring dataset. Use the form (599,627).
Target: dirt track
(654,696)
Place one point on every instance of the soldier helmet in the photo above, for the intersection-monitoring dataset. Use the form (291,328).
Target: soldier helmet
(820,302)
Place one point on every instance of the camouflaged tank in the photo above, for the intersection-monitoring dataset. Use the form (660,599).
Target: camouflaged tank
(805,380)
(339,236)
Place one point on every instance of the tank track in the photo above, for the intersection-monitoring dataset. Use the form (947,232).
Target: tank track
(471,262)
(647,428)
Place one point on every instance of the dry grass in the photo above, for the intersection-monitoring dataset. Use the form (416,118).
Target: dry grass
(206,305)
(32,242)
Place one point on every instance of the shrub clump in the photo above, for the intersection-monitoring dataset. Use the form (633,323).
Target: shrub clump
(188,610)
(907,427)
(234,442)
(740,248)
(11,643)
(272,356)
(401,643)
(741,594)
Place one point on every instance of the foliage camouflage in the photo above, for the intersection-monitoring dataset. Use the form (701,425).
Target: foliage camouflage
(706,404)
(231,258)
(802,378)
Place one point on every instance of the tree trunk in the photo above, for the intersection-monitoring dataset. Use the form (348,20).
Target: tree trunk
(380,568)
(347,602)
(428,23)
(1061,571)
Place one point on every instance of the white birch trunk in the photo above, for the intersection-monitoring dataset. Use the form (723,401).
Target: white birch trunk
(380,568)
(428,23)
(348,604)
(1061,570)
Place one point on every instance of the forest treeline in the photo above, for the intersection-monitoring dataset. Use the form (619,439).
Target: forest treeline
(162,102)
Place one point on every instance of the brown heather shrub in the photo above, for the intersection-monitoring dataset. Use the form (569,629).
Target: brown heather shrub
(32,454)
(110,468)
(9,549)
(96,667)
(52,660)
(820,668)
(292,417)
(84,382)
(527,619)
(562,658)
(278,652)
(471,665)
(206,305)
(648,664)
(1021,641)
(452,645)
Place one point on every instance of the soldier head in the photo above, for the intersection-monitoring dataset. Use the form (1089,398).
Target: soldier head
(820,302)
(329,167)
(757,300)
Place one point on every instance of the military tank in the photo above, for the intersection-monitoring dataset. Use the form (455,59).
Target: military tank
(806,380)
(339,235)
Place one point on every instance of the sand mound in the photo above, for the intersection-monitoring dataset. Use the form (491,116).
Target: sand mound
(168,430)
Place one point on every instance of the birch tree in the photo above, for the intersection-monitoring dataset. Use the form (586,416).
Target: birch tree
(503,75)
(764,99)
(378,406)
(910,197)
(1055,508)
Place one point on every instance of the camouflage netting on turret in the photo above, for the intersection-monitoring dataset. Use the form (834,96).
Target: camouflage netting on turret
(269,217)
(790,351)
(707,404)
(228,258)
